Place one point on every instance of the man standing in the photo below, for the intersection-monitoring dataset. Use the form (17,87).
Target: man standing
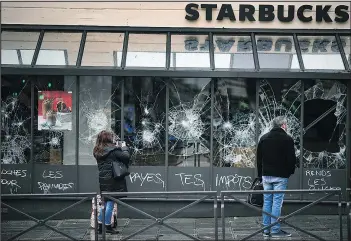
(276,162)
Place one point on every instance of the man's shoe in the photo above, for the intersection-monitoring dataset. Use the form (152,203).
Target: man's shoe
(110,230)
(266,234)
(281,234)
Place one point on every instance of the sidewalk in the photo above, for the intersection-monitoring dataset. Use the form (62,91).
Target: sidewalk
(203,228)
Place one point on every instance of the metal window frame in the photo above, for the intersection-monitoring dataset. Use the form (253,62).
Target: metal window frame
(210,32)
(169,72)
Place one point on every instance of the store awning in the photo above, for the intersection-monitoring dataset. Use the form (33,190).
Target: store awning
(170,49)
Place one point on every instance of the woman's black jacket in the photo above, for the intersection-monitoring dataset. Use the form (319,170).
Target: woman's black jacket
(112,154)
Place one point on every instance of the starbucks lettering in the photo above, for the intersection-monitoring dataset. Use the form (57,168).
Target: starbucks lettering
(268,13)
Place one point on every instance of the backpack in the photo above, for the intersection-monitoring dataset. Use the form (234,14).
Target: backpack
(256,199)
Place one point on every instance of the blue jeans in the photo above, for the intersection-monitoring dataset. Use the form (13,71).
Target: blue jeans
(108,213)
(273,202)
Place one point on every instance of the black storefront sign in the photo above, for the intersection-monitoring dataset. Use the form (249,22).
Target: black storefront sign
(269,13)
(224,45)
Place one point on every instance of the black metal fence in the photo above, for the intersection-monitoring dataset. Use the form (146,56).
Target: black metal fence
(210,195)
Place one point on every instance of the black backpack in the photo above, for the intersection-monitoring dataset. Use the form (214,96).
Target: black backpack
(256,199)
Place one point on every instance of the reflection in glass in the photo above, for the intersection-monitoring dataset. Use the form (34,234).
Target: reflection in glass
(18,47)
(99,109)
(54,123)
(146,50)
(234,123)
(59,49)
(103,49)
(320,52)
(346,43)
(280,97)
(15,120)
(189,122)
(233,52)
(325,124)
(277,52)
(190,51)
(144,118)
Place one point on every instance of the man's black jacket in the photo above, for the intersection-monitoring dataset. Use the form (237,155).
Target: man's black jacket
(276,154)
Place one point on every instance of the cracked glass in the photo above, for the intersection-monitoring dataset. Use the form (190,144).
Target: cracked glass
(99,109)
(189,122)
(144,120)
(15,119)
(324,139)
(234,123)
(281,97)
(54,124)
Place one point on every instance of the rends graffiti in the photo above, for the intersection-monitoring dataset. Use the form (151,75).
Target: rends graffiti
(268,13)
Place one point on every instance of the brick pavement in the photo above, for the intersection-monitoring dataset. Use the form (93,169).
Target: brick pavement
(202,228)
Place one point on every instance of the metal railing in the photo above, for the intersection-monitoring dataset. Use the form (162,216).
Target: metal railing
(113,197)
(282,219)
(348,213)
(210,195)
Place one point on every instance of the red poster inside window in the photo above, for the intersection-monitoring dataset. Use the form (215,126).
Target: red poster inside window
(55,110)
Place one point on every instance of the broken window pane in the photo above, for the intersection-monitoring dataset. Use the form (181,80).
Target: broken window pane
(146,50)
(320,52)
(15,119)
(233,52)
(325,112)
(54,123)
(277,52)
(144,118)
(103,49)
(234,123)
(346,43)
(190,51)
(99,109)
(189,122)
(18,47)
(59,49)
(281,97)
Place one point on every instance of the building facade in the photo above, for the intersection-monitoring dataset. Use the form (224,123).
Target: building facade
(190,87)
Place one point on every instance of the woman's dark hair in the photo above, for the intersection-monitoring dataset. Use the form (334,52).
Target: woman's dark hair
(104,139)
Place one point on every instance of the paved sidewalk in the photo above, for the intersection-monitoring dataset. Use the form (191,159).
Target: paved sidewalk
(203,228)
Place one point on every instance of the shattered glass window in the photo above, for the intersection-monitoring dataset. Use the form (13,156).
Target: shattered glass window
(15,120)
(54,124)
(324,139)
(234,123)
(99,109)
(281,97)
(320,52)
(59,49)
(144,119)
(346,43)
(277,52)
(233,52)
(190,51)
(103,49)
(18,47)
(146,50)
(189,122)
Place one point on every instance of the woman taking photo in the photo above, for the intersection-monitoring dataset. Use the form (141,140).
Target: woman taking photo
(106,151)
